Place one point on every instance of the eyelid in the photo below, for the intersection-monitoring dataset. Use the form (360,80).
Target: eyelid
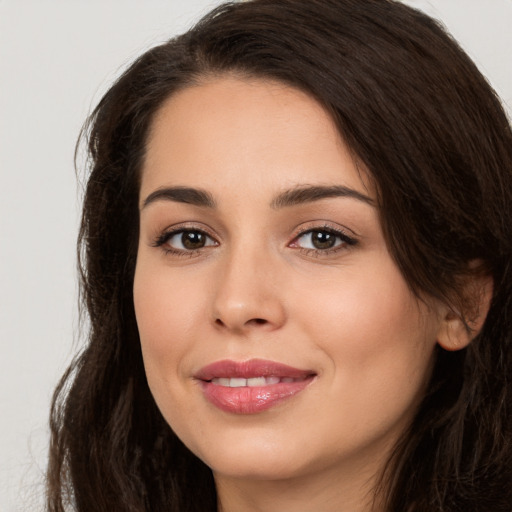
(323,225)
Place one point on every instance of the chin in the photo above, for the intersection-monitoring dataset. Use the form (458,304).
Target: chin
(257,458)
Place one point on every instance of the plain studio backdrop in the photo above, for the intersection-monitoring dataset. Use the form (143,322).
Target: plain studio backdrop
(57,58)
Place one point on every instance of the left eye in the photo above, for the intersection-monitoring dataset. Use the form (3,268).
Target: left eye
(320,239)
(188,240)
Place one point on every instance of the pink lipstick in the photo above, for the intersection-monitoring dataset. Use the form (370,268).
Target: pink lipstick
(252,386)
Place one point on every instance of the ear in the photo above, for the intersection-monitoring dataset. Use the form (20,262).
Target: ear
(457,330)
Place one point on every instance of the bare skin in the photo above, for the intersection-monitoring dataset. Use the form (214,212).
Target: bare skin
(247,268)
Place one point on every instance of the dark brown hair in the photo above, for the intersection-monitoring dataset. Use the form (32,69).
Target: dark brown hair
(417,113)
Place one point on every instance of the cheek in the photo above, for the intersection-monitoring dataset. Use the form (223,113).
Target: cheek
(379,338)
(372,308)
(166,310)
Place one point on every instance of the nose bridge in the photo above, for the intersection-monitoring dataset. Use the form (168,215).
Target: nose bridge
(247,294)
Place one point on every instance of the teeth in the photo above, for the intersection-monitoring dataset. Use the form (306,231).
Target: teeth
(256,381)
(237,382)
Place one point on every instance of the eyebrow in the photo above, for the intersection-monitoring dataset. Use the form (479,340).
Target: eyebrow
(292,197)
(188,195)
(309,194)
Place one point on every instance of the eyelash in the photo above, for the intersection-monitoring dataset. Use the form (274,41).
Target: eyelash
(345,241)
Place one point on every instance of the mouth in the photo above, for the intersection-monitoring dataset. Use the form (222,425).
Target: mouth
(253,386)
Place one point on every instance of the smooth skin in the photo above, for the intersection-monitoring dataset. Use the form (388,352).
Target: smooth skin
(247,269)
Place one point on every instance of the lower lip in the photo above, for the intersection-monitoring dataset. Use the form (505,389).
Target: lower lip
(252,400)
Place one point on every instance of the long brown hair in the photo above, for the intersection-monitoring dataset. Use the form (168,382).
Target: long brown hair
(415,110)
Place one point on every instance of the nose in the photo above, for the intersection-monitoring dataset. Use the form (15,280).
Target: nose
(248,293)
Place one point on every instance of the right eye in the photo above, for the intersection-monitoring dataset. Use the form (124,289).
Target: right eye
(185,240)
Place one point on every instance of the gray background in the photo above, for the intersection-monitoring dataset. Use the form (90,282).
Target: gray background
(56,60)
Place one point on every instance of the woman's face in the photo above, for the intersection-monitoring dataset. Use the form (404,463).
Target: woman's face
(279,337)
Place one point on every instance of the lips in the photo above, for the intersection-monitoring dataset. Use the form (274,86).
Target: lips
(253,386)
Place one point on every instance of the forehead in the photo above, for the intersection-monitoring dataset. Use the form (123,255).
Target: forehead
(238,131)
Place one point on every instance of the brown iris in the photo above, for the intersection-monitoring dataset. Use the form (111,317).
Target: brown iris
(323,239)
(193,240)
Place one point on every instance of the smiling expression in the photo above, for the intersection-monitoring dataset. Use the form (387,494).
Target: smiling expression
(263,276)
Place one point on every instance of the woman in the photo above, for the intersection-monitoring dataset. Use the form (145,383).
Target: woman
(295,250)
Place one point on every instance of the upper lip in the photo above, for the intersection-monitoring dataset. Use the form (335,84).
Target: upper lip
(250,369)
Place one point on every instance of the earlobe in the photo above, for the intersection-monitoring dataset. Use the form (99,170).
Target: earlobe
(458,330)
(454,333)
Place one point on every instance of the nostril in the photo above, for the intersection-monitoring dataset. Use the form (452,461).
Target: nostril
(240,325)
